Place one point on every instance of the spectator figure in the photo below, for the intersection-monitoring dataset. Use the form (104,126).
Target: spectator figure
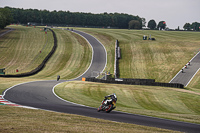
(58,77)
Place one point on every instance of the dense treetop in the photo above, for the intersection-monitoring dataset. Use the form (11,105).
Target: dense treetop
(195,26)
(5,17)
(118,20)
(66,18)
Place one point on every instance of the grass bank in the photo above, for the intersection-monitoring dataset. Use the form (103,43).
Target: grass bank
(24,49)
(71,59)
(3,30)
(195,83)
(42,121)
(169,103)
(20,47)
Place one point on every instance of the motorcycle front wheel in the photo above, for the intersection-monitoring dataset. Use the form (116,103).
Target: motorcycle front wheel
(99,108)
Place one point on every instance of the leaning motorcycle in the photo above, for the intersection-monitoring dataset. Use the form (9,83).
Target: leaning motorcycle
(107,107)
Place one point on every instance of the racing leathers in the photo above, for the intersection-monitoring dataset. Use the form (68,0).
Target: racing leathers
(109,98)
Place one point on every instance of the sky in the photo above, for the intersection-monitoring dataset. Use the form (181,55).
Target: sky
(174,12)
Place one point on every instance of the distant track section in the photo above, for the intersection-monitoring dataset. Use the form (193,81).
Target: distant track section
(10,29)
(99,57)
(185,75)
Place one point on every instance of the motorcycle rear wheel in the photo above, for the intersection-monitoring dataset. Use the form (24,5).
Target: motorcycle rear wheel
(109,109)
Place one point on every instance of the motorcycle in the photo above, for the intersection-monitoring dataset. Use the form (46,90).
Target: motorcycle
(111,104)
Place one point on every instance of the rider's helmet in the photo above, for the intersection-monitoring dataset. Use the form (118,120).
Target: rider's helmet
(115,95)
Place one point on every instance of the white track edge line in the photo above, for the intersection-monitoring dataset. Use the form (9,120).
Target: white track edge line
(53,90)
(192,77)
(183,67)
(63,81)
(101,44)
(92,55)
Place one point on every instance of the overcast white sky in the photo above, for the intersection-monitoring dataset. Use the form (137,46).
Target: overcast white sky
(174,12)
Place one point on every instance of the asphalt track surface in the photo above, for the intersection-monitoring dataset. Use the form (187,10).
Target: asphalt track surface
(10,29)
(188,73)
(40,94)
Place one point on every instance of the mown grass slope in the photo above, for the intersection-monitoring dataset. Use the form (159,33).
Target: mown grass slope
(71,59)
(195,83)
(39,121)
(160,59)
(170,103)
(24,49)
(20,49)
(3,30)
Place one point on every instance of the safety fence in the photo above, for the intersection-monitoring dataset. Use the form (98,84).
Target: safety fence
(117,56)
(41,66)
(148,82)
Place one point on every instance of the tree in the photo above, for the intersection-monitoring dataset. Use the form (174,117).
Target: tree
(162,25)
(187,26)
(178,28)
(134,24)
(195,26)
(2,21)
(152,24)
(143,22)
(5,17)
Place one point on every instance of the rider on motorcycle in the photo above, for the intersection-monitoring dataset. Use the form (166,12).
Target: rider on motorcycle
(109,98)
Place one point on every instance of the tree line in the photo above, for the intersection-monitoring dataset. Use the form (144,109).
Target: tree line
(10,15)
(5,17)
(195,26)
(45,17)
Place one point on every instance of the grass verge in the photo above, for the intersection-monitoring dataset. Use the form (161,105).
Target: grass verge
(169,103)
(195,83)
(39,121)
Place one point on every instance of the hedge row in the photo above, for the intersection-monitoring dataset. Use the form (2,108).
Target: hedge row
(42,65)
(149,82)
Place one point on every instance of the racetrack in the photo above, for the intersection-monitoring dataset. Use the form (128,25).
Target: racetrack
(39,94)
(10,29)
(188,73)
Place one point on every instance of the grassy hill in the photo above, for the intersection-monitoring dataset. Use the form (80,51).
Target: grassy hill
(71,59)
(160,60)
(163,102)
(20,49)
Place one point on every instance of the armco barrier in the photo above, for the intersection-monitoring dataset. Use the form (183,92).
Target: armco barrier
(116,65)
(42,65)
(148,82)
